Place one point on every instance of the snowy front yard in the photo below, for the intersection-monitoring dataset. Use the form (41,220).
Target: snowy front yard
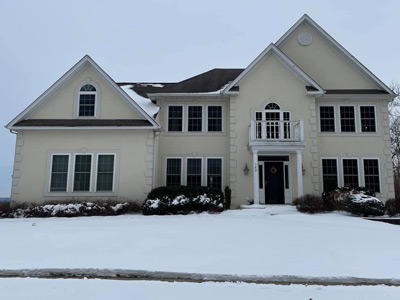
(273,241)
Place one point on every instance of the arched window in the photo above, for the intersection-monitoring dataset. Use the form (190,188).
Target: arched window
(272,106)
(87,101)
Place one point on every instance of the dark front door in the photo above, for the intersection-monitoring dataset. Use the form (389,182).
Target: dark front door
(274,192)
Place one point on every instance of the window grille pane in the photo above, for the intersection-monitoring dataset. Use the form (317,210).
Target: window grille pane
(86,105)
(214,173)
(350,173)
(347,119)
(105,173)
(173,171)
(371,173)
(195,118)
(329,173)
(367,114)
(88,88)
(214,118)
(193,172)
(82,172)
(272,106)
(59,173)
(327,118)
(175,114)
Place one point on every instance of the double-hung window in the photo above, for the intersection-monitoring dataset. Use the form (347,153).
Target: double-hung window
(59,173)
(195,118)
(83,167)
(350,173)
(327,118)
(105,172)
(367,115)
(371,174)
(193,172)
(87,101)
(329,173)
(214,173)
(347,119)
(214,118)
(174,171)
(175,118)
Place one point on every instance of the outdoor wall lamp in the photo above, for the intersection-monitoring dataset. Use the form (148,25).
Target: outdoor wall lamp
(303,171)
(246,170)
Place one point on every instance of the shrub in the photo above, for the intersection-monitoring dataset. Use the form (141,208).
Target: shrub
(336,198)
(392,206)
(182,200)
(228,195)
(4,206)
(105,208)
(309,204)
(360,204)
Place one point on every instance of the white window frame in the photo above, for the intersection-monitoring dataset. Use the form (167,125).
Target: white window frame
(222,118)
(379,170)
(96,97)
(337,169)
(358,169)
(334,118)
(91,174)
(166,168)
(183,117)
(222,170)
(201,173)
(359,123)
(186,122)
(51,172)
(355,119)
(96,172)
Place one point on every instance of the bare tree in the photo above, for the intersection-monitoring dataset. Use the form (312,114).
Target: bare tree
(394,123)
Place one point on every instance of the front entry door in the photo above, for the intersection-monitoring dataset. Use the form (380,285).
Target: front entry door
(274,183)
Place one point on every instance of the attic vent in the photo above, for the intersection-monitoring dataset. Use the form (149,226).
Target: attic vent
(304,38)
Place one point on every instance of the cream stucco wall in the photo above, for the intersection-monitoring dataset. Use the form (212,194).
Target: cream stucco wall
(64,103)
(323,63)
(34,158)
(190,144)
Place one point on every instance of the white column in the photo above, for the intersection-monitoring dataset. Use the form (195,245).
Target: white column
(255,177)
(299,174)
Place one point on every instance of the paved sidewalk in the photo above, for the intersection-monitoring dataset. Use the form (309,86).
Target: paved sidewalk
(122,274)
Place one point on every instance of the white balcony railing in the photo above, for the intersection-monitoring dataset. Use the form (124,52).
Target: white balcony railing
(281,131)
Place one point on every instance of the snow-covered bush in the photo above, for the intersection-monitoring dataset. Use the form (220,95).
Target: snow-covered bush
(392,207)
(70,210)
(182,200)
(336,199)
(309,204)
(360,204)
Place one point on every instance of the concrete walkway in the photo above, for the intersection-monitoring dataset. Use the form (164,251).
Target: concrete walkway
(121,274)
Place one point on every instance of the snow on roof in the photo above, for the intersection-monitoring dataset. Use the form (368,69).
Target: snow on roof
(144,103)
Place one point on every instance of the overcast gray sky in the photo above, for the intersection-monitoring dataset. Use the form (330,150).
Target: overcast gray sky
(157,40)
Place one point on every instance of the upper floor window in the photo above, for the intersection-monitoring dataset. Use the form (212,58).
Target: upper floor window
(272,106)
(87,101)
(175,118)
(347,119)
(214,118)
(367,115)
(194,118)
(327,118)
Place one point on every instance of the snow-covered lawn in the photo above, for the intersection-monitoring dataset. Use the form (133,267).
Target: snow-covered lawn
(66,289)
(273,241)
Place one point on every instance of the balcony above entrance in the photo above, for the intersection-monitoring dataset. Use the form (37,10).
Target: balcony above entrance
(276,135)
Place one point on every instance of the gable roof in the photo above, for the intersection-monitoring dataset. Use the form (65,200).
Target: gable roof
(144,88)
(86,60)
(306,19)
(272,49)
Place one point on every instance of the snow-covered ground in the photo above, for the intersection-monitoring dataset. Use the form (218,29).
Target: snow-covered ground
(273,241)
(66,289)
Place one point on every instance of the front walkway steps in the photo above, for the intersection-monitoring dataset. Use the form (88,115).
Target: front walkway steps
(121,274)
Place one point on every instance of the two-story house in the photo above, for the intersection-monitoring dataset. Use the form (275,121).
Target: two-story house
(304,113)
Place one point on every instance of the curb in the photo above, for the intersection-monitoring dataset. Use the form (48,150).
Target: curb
(122,274)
